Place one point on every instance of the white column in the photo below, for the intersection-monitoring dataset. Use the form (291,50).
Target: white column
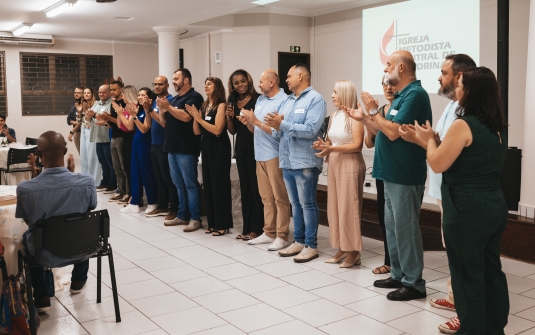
(527,194)
(168,50)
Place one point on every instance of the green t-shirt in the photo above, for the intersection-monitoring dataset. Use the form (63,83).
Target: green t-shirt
(399,161)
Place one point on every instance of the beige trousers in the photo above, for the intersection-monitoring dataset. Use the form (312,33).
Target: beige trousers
(76,138)
(449,297)
(345,182)
(275,199)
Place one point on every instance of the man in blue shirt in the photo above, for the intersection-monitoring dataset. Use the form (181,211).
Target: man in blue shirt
(56,191)
(183,148)
(269,174)
(298,124)
(167,192)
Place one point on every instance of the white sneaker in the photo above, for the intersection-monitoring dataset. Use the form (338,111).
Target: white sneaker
(278,244)
(262,239)
(150,208)
(130,209)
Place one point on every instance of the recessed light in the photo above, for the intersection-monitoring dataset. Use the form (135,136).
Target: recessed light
(123,18)
(263,2)
(21,29)
(59,7)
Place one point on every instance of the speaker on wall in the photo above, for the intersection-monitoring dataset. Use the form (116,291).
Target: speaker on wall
(181,61)
(510,178)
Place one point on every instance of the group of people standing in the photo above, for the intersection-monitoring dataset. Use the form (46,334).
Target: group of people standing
(149,139)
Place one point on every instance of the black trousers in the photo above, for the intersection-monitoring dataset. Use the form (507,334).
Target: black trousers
(128,139)
(166,189)
(381,214)
(252,206)
(79,274)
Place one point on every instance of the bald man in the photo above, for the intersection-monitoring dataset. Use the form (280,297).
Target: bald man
(402,167)
(268,173)
(56,191)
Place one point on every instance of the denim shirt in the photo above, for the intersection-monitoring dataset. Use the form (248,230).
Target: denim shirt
(266,147)
(303,118)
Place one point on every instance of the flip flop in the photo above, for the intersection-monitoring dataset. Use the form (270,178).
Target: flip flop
(381,270)
(239,237)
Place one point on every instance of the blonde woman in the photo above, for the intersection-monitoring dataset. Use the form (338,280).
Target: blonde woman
(343,150)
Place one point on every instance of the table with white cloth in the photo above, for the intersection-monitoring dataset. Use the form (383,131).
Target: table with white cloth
(11,236)
(16,177)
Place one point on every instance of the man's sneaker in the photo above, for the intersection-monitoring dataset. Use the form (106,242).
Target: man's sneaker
(101,188)
(175,222)
(442,304)
(130,209)
(110,190)
(294,249)
(278,244)
(262,239)
(116,197)
(193,226)
(77,286)
(43,304)
(171,216)
(124,200)
(150,208)
(450,327)
(306,255)
(157,212)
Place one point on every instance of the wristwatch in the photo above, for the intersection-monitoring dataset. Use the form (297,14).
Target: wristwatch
(71,132)
(373,112)
(134,118)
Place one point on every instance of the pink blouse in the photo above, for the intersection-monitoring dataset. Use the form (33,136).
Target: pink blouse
(126,116)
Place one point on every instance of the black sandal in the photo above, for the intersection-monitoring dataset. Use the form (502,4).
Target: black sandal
(239,237)
(380,271)
(209,231)
(219,233)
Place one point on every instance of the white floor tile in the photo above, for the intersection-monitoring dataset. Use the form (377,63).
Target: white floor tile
(119,263)
(370,243)
(89,293)
(256,283)
(157,236)
(529,294)
(216,241)
(160,263)
(57,311)
(320,265)
(175,275)
(311,280)
(90,310)
(209,261)
(282,268)
(528,332)
(141,254)
(127,276)
(519,303)
(66,325)
(155,332)
(257,258)
(445,269)
(294,327)
(421,323)
(286,297)
(430,275)
(200,286)
(439,284)
(320,312)
(362,324)
(190,252)
(255,317)
(234,249)
(163,304)
(231,271)
(131,323)
(226,301)
(382,309)
(373,262)
(519,285)
(527,314)
(344,293)
(223,330)
(173,243)
(181,323)
(517,268)
(143,289)
(425,304)
(362,277)
(432,261)
(516,325)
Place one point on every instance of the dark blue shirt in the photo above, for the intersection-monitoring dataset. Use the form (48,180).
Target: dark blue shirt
(158,132)
(179,136)
(56,191)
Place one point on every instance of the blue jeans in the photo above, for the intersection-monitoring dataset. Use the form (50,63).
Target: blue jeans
(104,157)
(402,224)
(185,177)
(301,186)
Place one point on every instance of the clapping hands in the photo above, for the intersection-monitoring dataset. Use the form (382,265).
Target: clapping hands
(324,147)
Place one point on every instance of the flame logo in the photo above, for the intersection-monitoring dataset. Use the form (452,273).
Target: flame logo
(387,37)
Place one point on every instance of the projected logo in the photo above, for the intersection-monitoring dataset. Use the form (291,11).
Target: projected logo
(389,35)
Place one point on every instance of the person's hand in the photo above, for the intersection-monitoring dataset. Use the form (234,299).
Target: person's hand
(249,114)
(70,138)
(70,163)
(119,109)
(425,132)
(369,102)
(437,138)
(274,120)
(146,103)
(243,119)
(85,105)
(5,131)
(132,108)
(106,116)
(162,103)
(357,114)
(194,112)
(79,107)
(229,112)
(324,147)
(408,133)
(90,113)
(32,159)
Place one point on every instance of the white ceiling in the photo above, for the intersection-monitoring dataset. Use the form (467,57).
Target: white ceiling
(90,20)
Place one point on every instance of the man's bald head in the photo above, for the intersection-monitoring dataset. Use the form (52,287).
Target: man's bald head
(272,75)
(304,70)
(104,92)
(400,69)
(269,83)
(162,79)
(161,85)
(51,146)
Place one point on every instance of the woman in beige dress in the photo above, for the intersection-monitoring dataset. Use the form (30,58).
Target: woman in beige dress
(343,151)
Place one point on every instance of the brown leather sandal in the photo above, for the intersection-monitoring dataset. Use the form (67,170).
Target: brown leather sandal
(381,270)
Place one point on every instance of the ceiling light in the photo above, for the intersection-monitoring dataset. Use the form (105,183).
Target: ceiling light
(59,7)
(263,2)
(21,28)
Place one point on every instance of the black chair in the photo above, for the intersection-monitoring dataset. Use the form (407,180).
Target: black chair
(31,141)
(18,156)
(71,236)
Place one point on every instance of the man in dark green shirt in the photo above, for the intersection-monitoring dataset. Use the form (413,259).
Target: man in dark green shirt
(402,167)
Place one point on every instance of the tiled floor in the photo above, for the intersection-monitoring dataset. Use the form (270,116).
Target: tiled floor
(171,282)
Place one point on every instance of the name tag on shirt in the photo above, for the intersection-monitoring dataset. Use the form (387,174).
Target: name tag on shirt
(393,112)
(258,108)
(208,118)
(299,111)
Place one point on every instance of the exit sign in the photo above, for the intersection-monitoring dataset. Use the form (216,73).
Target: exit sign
(295,48)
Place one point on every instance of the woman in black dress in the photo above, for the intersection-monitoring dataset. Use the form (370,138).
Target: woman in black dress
(242,95)
(215,146)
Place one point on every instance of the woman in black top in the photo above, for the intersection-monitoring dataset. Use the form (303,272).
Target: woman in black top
(215,149)
(242,95)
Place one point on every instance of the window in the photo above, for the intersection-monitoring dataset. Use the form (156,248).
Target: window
(48,80)
(3,93)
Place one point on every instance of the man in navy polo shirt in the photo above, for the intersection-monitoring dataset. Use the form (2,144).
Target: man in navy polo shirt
(183,148)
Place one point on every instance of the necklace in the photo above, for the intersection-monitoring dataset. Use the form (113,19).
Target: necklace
(244,99)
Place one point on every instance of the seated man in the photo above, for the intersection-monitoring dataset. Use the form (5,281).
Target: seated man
(56,191)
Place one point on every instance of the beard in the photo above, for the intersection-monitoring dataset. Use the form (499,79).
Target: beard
(447,91)
(392,79)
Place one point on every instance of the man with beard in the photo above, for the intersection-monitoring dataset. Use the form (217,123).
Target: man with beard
(452,69)
(183,148)
(402,167)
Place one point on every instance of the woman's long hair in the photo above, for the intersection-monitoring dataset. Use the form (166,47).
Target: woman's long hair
(346,93)
(250,86)
(150,94)
(130,94)
(218,96)
(482,98)
(91,102)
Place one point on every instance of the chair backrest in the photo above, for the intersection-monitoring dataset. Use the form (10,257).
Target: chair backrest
(73,236)
(18,156)
(31,141)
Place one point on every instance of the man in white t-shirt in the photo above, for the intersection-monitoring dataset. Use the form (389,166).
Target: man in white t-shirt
(451,70)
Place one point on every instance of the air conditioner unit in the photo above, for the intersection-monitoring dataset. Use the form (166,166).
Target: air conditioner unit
(27,39)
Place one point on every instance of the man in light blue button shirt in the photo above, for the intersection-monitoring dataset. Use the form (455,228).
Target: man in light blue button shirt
(269,174)
(298,124)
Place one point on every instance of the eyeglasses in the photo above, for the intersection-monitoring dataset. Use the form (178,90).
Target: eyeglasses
(76,92)
(157,84)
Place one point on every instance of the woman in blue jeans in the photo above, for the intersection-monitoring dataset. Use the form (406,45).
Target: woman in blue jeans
(141,173)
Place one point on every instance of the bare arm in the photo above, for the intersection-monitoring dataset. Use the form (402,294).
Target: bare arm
(220,119)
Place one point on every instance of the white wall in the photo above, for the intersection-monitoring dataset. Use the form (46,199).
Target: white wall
(196,59)
(137,64)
